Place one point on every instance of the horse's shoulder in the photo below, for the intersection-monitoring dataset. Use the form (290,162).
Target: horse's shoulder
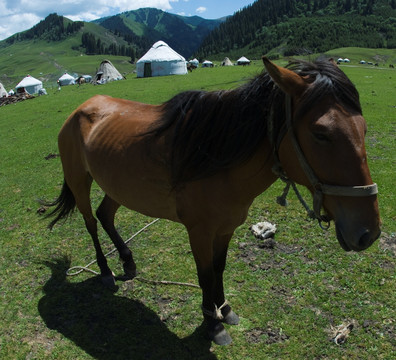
(97,99)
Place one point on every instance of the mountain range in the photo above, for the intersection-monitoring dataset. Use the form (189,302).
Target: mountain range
(184,34)
(130,33)
(285,27)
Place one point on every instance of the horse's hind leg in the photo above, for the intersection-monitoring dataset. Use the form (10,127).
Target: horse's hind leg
(105,272)
(81,186)
(106,213)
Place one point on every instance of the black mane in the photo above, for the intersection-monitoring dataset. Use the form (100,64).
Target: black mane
(213,131)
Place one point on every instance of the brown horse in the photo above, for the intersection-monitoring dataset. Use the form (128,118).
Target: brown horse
(201,158)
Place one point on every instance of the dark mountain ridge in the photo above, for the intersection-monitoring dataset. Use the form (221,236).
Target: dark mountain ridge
(183,34)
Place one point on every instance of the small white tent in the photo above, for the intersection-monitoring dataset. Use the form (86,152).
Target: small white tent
(207,63)
(243,61)
(161,60)
(30,84)
(226,62)
(66,79)
(106,73)
(3,92)
(194,62)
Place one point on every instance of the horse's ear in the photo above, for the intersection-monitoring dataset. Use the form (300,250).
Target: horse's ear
(290,82)
(333,61)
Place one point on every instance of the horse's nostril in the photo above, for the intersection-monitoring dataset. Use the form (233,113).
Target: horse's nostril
(367,239)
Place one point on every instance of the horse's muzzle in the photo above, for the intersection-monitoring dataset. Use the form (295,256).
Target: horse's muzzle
(359,240)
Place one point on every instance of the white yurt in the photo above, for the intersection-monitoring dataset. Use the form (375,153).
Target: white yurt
(3,92)
(30,84)
(207,63)
(243,61)
(66,79)
(161,60)
(194,62)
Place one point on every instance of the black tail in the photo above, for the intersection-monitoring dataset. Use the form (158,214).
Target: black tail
(65,205)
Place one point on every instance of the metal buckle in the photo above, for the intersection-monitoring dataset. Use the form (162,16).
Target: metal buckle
(324,227)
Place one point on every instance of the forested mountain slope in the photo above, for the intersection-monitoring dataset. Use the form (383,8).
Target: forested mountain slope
(184,34)
(292,27)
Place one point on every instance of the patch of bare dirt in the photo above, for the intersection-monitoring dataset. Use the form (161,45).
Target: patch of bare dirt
(251,253)
(266,335)
(51,156)
(388,243)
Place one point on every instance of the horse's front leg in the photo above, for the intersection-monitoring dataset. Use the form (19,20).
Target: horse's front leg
(210,256)
(220,247)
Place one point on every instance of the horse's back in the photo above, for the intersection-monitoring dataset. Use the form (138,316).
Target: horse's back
(102,110)
(104,137)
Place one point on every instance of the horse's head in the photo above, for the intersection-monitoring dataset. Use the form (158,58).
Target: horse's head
(323,149)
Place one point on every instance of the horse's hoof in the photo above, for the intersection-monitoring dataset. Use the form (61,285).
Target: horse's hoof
(217,333)
(129,271)
(231,318)
(221,338)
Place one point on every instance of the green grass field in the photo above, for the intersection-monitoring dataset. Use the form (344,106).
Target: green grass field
(290,298)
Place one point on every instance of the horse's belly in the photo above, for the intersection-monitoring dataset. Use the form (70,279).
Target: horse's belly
(147,194)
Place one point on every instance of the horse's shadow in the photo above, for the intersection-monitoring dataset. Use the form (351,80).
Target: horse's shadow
(108,326)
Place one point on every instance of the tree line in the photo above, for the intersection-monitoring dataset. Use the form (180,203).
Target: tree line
(95,46)
(304,25)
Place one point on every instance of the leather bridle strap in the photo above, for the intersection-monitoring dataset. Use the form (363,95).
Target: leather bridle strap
(319,188)
(364,190)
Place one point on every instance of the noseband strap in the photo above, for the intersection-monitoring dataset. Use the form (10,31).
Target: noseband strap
(364,190)
(319,188)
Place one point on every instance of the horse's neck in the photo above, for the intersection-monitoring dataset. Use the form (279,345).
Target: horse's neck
(256,174)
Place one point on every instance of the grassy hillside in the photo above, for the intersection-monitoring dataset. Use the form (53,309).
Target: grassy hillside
(48,61)
(290,298)
(46,53)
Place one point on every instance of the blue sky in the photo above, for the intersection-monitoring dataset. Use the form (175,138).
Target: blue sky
(19,15)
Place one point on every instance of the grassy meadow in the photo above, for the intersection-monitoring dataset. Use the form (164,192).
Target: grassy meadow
(290,297)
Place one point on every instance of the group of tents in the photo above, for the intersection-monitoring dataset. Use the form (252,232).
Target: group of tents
(160,60)
(106,73)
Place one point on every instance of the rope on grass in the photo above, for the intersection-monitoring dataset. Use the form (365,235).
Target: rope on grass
(75,270)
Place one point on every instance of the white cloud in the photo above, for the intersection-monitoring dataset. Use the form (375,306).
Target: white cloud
(20,15)
(11,24)
(201,10)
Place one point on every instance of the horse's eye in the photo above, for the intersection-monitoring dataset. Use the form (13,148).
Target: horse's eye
(321,137)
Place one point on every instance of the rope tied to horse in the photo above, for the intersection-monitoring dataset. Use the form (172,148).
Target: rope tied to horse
(281,200)
(75,270)
(216,313)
